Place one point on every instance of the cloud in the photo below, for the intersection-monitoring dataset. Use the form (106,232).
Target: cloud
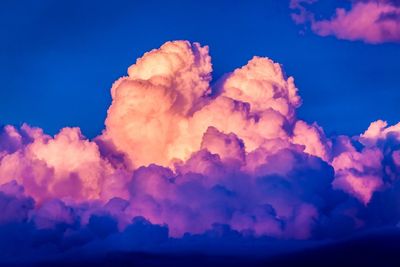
(180,160)
(371,21)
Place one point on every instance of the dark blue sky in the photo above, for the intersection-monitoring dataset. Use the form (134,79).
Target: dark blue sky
(58,59)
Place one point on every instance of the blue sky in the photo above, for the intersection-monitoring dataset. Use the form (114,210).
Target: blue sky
(58,59)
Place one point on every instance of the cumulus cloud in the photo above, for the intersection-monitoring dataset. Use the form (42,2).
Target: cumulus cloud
(373,21)
(179,158)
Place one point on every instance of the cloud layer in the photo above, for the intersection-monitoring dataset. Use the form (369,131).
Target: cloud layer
(179,158)
(373,21)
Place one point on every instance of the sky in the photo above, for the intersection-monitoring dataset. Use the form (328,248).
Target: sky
(59,59)
(257,132)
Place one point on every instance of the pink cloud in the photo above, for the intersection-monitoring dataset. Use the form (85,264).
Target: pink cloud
(369,21)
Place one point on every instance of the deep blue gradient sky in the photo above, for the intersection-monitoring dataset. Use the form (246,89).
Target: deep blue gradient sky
(58,59)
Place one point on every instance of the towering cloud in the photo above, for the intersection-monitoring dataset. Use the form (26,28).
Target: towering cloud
(373,21)
(150,108)
(180,158)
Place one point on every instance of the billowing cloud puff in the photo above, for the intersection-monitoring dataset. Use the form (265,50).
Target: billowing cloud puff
(162,88)
(374,167)
(359,172)
(370,21)
(66,166)
(263,85)
(180,158)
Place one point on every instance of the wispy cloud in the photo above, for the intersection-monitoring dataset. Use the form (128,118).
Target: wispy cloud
(372,21)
